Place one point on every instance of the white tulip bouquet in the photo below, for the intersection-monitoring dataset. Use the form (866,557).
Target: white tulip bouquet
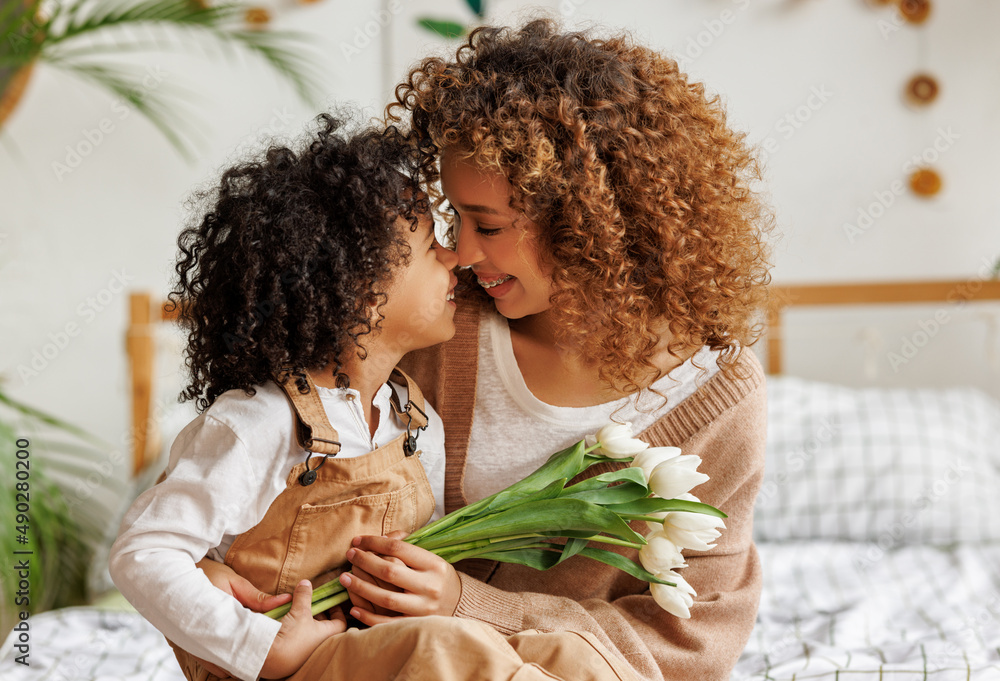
(522,523)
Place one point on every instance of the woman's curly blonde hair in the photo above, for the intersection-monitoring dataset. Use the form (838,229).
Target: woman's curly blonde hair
(641,190)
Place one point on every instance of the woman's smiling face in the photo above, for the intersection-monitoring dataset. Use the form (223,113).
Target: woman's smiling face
(495,240)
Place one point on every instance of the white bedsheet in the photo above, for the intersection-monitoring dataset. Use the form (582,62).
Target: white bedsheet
(829,611)
(87,644)
(843,611)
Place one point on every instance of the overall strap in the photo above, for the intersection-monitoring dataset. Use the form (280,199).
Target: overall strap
(414,413)
(313,429)
(415,402)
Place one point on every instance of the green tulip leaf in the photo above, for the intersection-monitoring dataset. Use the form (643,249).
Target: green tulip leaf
(603,480)
(616,560)
(543,559)
(444,28)
(572,547)
(563,465)
(658,505)
(610,496)
(511,497)
(539,559)
(532,517)
(567,463)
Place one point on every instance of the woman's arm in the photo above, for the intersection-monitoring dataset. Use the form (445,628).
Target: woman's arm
(583,595)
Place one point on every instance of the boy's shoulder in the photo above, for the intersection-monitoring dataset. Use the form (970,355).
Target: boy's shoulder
(250,416)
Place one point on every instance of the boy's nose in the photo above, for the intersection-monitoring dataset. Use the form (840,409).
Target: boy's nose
(448,257)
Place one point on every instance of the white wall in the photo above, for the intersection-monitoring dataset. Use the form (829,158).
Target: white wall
(65,240)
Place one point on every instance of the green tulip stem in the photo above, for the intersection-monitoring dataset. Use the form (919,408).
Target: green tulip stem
(331,589)
(494,548)
(489,545)
(600,538)
(648,518)
(446,523)
(327,603)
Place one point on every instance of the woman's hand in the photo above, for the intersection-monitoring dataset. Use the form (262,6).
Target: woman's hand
(392,578)
(225,578)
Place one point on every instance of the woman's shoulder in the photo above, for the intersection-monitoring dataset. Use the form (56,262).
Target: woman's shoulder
(737,391)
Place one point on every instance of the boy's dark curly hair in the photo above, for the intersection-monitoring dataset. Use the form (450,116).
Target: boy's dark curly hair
(290,253)
(641,190)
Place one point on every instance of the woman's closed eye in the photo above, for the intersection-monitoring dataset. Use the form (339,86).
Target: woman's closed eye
(481,228)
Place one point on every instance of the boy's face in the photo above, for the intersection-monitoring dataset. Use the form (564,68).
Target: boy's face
(419,311)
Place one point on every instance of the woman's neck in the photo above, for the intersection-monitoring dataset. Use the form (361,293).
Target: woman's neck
(563,377)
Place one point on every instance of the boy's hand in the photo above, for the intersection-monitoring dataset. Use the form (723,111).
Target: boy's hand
(225,578)
(391,575)
(300,635)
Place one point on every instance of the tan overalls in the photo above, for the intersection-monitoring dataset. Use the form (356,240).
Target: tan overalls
(327,501)
(306,533)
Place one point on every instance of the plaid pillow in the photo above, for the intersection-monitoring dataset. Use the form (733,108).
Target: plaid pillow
(886,466)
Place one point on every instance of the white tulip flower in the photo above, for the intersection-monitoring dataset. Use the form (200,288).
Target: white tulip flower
(658,526)
(649,459)
(617,442)
(660,554)
(676,476)
(677,600)
(692,530)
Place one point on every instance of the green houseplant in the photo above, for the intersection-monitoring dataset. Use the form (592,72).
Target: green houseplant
(46,533)
(98,40)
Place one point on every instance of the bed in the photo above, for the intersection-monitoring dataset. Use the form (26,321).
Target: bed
(878,523)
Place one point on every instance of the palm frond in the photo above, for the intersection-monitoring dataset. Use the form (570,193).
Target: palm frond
(22,35)
(294,66)
(86,18)
(127,85)
(32,413)
(61,545)
(222,22)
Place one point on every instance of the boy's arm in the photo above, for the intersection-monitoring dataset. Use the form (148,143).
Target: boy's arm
(174,524)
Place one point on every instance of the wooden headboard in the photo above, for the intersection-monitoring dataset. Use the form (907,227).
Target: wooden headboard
(875,293)
(140,346)
(147,312)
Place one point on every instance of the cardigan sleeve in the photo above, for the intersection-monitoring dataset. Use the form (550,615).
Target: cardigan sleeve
(584,595)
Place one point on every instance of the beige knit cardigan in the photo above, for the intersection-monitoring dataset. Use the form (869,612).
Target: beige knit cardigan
(724,422)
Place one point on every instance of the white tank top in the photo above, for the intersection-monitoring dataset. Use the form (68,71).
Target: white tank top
(513,432)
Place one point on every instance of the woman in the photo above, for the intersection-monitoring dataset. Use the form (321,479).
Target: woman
(618,265)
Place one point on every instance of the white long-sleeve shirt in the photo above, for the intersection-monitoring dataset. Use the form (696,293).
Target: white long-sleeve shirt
(226,468)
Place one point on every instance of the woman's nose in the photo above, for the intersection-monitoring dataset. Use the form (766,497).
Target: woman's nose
(467,248)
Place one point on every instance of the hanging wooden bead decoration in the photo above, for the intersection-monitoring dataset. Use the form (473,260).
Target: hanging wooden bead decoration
(915,11)
(257,17)
(925,182)
(922,89)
